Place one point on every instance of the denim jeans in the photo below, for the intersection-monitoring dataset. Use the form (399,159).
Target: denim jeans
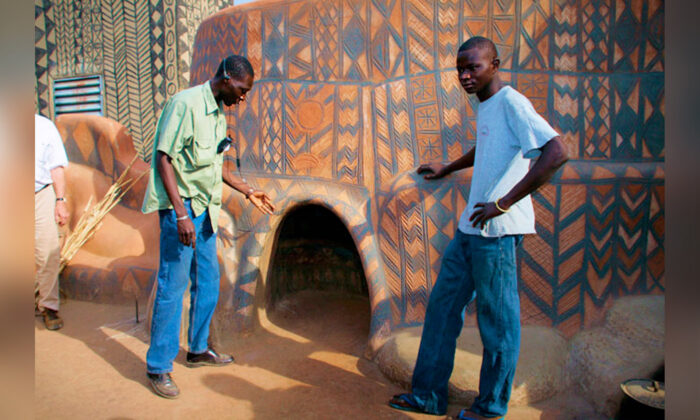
(178,264)
(472,266)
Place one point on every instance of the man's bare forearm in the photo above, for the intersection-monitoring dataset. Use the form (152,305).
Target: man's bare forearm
(58,177)
(234,181)
(167,175)
(552,158)
(463,162)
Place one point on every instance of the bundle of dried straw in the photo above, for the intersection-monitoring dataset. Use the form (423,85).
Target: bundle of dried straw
(91,219)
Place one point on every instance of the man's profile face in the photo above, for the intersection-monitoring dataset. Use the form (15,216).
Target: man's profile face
(235,90)
(476,68)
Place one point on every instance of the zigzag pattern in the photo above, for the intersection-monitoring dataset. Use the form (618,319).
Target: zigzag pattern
(383,147)
(534,35)
(349,142)
(44,53)
(325,39)
(595,24)
(157,60)
(114,37)
(655,240)
(403,147)
(566,28)
(570,272)
(387,43)
(235,34)
(448,33)
(413,255)
(138,73)
(536,255)
(459,130)
(300,41)
(419,24)
(631,233)
(254,38)
(596,117)
(64,13)
(566,113)
(600,224)
(272,128)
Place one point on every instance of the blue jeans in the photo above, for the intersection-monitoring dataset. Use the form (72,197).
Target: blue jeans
(178,264)
(472,266)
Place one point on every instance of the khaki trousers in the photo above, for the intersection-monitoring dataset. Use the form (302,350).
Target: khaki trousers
(47,255)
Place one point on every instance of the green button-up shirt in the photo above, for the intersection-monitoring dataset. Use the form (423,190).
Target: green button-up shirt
(189,130)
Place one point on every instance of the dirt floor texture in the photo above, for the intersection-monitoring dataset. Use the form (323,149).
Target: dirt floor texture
(307,364)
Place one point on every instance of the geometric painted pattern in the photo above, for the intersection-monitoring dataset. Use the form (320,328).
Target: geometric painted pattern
(352,95)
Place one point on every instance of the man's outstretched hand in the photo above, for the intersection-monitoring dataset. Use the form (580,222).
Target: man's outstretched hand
(261,201)
(432,170)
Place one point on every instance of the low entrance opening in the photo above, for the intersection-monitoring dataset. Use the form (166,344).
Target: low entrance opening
(316,285)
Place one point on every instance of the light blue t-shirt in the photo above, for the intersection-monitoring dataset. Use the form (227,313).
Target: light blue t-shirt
(509,133)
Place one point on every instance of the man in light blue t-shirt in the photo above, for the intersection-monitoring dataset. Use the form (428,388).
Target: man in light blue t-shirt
(481,259)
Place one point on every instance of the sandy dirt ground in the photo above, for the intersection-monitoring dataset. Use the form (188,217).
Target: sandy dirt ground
(307,364)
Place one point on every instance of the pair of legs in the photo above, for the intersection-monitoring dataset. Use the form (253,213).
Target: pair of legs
(473,266)
(180,265)
(47,255)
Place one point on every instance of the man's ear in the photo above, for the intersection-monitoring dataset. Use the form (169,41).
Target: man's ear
(496,62)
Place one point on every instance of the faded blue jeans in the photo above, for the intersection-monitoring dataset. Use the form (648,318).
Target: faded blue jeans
(178,265)
(472,266)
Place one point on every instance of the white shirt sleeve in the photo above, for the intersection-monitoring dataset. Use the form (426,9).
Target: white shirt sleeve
(55,154)
(531,130)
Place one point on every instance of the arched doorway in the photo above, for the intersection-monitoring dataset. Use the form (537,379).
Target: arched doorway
(314,251)
(315,284)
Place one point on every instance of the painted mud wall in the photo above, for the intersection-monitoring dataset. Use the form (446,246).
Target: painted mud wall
(142,49)
(351,96)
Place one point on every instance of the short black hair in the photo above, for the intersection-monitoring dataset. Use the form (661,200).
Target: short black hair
(479,42)
(237,67)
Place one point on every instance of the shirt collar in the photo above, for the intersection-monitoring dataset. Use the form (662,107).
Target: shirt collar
(209,100)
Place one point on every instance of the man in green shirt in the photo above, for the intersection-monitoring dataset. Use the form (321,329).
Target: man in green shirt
(185,186)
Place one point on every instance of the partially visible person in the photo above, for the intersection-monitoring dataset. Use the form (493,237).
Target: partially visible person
(185,187)
(480,261)
(50,211)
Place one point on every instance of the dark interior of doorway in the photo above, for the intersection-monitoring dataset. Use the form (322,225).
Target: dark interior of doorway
(316,284)
(314,251)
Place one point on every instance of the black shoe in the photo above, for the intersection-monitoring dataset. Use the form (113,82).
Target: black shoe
(208,358)
(51,319)
(163,385)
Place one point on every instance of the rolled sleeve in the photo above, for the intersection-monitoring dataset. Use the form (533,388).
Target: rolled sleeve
(531,130)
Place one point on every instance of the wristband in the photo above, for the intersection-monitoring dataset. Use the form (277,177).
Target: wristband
(250,191)
(499,207)
(60,199)
(185,217)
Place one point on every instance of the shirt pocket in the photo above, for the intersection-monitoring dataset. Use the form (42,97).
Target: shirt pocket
(204,151)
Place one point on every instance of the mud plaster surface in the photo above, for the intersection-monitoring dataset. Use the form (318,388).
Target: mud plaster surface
(307,364)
